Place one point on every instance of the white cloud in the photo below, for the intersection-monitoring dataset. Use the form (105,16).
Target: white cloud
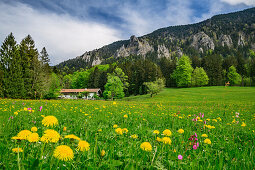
(236,2)
(63,36)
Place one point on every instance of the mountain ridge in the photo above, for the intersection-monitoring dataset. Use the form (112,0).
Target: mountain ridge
(233,31)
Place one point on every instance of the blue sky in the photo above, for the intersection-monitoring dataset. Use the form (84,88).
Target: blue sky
(68,28)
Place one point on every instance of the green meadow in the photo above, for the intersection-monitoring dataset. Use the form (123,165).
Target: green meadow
(210,127)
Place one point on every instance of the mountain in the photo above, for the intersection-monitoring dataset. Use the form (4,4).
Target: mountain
(222,34)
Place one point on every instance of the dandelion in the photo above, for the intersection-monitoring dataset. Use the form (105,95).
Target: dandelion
(63,152)
(83,146)
(167,132)
(125,130)
(50,136)
(34,137)
(16,113)
(125,116)
(115,126)
(158,139)
(174,150)
(243,124)
(114,103)
(16,150)
(119,131)
(64,128)
(208,141)
(99,130)
(156,132)
(102,153)
(24,134)
(134,136)
(34,129)
(204,135)
(146,146)
(180,157)
(50,121)
(72,137)
(166,140)
(180,131)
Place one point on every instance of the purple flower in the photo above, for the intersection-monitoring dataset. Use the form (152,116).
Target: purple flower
(195,134)
(195,147)
(180,157)
(203,115)
(197,144)
(41,108)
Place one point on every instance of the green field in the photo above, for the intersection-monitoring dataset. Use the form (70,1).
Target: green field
(231,134)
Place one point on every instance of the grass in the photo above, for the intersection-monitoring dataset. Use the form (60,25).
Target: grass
(232,138)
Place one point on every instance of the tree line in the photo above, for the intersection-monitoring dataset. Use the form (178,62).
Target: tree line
(25,73)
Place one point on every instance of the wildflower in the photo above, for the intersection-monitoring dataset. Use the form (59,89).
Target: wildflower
(50,121)
(195,147)
(125,130)
(243,124)
(167,132)
(102,153)
(115,126)
(16,150)
(40,108)
(63,152)
(114,103)
(24,134)
(174,150)
(99,130)
(50,136)
(204,135)
(16,113)
(146,146)
(25,109)
(214,120)
(156,132)
(83,146)
(72,137)
(180,131)
(158,139)
(208,141)
(166,140)
(34,137)
(119,131)
(134,136)
(17,138)
(125,116)
(34,129)
(180,157)
(64,128)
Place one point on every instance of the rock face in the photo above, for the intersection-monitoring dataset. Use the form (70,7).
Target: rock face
(225,40)
(135,47)
(202,41)
(241,41)
(163,51)
(88,59)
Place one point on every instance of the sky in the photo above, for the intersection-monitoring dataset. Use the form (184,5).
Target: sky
(68,28)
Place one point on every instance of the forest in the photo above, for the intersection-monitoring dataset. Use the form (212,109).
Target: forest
(25,73)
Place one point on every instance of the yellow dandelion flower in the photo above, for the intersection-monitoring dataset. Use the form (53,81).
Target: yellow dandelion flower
(214,120)
(119,131)
(25,109)
(167,132)
(146,146)
(115,126)
(42,115)
(99,130)
(16,113)
(174,150)
(208,141)
(134,136)
(83,146)
(243,124)
(125,116)
(24,134)
(72,137)
(166,140)
(114,103)
(16,150)
(63,152)
(180,131)
(156,132)
(64,128)
(50,121)
(102,153)
(50,136)
(204,135)
(158,139)
(17,138)
(34,129)
(34,137)
(125,130)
